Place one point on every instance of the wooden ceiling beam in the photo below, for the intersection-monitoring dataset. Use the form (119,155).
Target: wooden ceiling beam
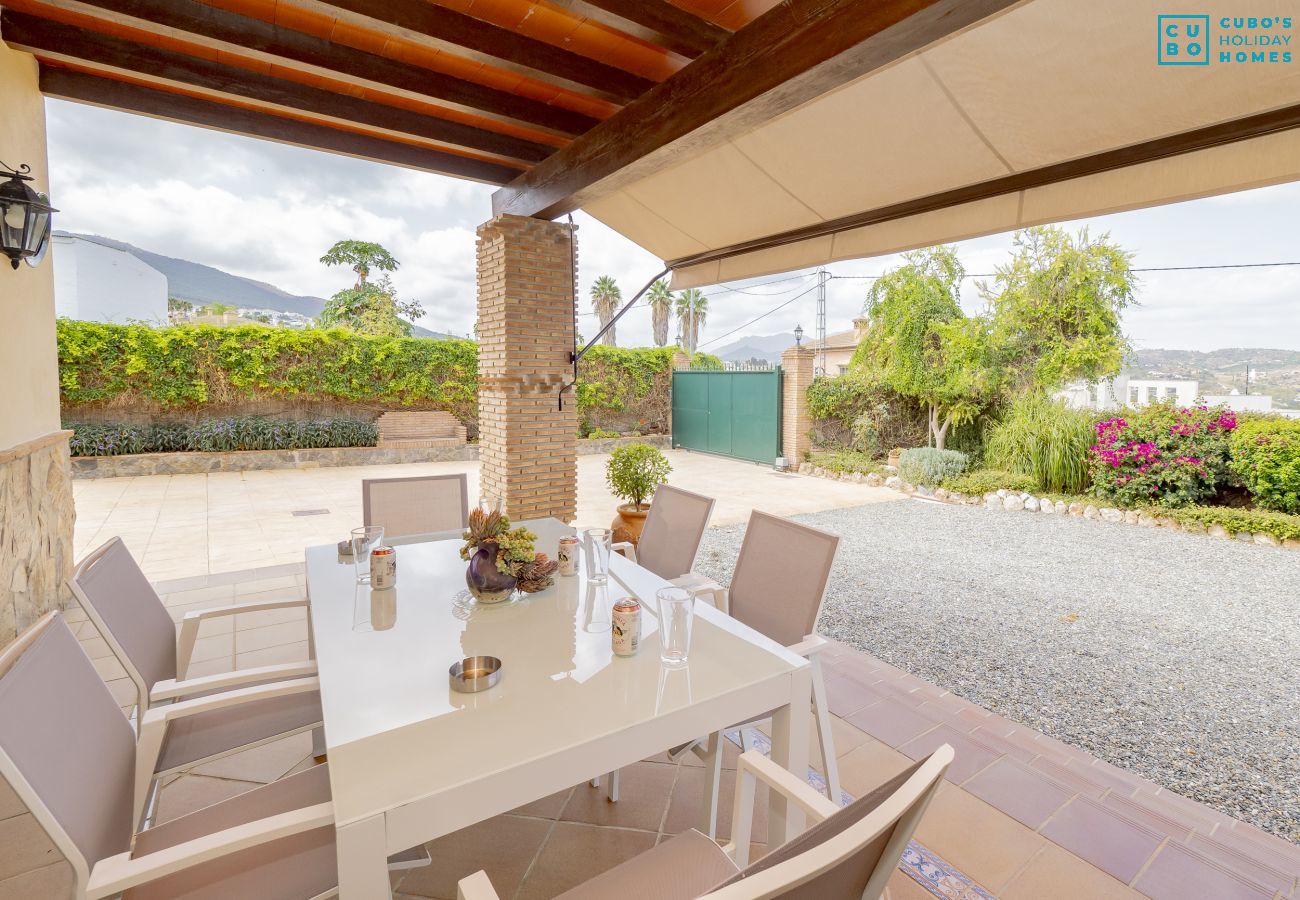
(81,87)
(441,28)
(69,44)
(656,21)
(216,29)
(796,51)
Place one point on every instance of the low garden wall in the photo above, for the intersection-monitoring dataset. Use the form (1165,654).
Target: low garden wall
(192,463)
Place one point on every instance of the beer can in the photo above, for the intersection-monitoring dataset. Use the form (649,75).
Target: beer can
(568,555)
(383,568)
(626,627)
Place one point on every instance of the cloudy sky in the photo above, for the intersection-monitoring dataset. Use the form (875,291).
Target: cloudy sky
(268,212)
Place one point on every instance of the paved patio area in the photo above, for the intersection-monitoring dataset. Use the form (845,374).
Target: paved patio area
(181,525)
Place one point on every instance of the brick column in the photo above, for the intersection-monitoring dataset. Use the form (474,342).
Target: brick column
(796,423)
(527,446)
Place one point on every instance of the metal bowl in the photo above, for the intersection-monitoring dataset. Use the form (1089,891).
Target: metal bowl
(474,674)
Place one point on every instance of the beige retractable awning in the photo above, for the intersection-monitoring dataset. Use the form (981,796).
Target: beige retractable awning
(1054,110)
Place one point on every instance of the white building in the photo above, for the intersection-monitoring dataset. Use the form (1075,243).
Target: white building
(97,283)
(1125,392)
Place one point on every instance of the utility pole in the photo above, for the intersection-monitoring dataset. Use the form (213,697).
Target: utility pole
(819,363)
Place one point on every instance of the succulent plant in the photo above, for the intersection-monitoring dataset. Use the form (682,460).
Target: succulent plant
(537,575)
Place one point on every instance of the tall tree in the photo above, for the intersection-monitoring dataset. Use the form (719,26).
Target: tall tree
(605,297)
(369,307)
(362,257)
(1057,305)
(692,313)
(920,344)
(661,310)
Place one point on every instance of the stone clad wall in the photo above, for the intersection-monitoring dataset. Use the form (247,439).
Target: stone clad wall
(36,519)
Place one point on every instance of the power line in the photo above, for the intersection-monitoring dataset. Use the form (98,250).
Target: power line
(759,318)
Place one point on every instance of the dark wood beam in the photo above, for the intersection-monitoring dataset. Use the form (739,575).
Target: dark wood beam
(66,84)
(656,21)
(67,43)
(1242,129)
(798,50)
(445,29)
(217,29)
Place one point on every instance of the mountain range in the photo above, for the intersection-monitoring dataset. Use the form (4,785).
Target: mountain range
(755,346)
(201,284)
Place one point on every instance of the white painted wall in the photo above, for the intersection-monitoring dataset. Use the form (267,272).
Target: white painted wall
(96,283)
(29,368)
(1242,402)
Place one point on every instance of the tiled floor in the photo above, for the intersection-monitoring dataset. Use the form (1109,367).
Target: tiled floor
(1022,816)
(229,521)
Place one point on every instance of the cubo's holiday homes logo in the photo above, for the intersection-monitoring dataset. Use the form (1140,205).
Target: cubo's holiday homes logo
(1196,40)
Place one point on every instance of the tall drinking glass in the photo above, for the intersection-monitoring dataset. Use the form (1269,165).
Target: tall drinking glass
(365,539)
(676,621)
(597,545)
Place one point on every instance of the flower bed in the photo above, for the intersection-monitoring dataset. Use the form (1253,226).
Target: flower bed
(1162,455)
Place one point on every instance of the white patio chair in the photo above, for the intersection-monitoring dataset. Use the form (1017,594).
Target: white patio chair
(849,852)
(69,754)
(120,601)
(671,538)
(422,507)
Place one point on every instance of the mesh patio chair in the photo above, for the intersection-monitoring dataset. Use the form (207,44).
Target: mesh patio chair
(120,601)
(70,755)
(422,507)
(849,852)
(671,538)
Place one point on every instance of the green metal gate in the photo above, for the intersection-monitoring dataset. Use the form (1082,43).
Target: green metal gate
(730,412)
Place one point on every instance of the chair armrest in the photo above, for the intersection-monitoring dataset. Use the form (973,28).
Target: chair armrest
(810,645)
(753,767)
(171,688)
(192,620)
(627,548)
(115,874)
(701,585)
(476,887)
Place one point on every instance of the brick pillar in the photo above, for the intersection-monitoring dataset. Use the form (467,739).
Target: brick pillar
(681,360)
(796,423)
(527,446)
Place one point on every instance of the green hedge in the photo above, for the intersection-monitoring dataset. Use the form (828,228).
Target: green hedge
(1253,521)
(1266,456)
(844,461)
(236,433)
(986,481)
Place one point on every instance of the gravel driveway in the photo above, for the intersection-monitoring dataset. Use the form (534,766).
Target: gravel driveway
(1174,656)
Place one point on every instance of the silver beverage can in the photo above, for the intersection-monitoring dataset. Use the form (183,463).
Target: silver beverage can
(567,556)
(626,627)
(383,568)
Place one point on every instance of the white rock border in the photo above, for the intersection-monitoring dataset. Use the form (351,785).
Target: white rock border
(1017,501)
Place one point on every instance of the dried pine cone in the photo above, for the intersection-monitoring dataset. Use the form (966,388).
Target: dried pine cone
(536,575)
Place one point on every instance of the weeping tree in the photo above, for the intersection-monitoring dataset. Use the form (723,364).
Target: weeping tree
(692,312)
(605,298)
(661,310)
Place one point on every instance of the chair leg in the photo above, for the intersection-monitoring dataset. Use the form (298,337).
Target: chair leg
(746,740)
(822,714)
(712,778)
(613,787)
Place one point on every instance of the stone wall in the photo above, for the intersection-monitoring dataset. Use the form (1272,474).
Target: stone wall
(36,519)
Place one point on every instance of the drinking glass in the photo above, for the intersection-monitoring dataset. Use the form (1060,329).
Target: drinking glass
(597,541)
(596,618)
(365,539)
(676,620)
(489,504)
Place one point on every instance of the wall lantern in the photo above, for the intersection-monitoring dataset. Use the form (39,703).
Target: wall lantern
(24,217)
(798,335)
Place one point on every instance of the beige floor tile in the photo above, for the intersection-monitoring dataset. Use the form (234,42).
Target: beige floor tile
(10,803)
(986,844)
(576,853)
(503,847)
(210,667)
(545,808)
(52,881)
(191,792)
(109,668)
(265,764)
(903,887)
(96,647)
(218,595)
(25,846)
(214,646)
(644,789)
(247,621)
(1056,873)
(688,797)
(247,640)
(123,691)
(271,656)
(214,625)
(869,765)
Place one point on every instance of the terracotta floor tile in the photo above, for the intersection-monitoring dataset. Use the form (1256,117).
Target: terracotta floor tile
(1146,816)
(1073,777)
(644,789)
(891,721)
(848,694)
(1025,794)
(969,757)
(1060,875)
(987,845)
(1119,781)
(547,807)
(1179,808)
(504,847)
(265,764)
(10,803)
(1104,838)
(991,735)
(575,853)
(903,887)
(1248,861)
(190,792)
(1178,873)
(1278,853)
(866,767)
(688,794)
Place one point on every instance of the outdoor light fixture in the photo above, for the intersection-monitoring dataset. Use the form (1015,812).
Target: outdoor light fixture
(24,217)
(798,335)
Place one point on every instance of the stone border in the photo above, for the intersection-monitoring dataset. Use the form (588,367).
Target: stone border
(133,464)
(1017,501)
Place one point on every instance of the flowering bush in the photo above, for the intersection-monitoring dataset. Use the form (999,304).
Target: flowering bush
(1162,454)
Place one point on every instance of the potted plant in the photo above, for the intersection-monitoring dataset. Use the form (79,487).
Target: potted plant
(632,473)
(501,559)
(894,455)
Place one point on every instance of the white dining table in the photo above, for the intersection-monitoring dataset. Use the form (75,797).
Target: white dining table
(411,760)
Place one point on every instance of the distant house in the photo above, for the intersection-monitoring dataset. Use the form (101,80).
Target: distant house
(841,346)
(98,283)
(1123,391)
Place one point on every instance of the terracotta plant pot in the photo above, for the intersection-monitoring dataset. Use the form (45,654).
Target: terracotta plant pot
(485,583)
(629,522)
(893,460)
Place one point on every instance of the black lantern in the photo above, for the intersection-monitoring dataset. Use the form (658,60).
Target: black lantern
(798,335)
(24,218)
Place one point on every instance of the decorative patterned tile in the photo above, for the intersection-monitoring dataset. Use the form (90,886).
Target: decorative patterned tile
(930,871)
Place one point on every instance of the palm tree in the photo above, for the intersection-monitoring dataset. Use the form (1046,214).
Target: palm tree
(661,310)
(605,297)
(692,313)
